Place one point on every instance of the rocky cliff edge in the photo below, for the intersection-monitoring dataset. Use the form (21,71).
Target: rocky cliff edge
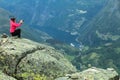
(24,59)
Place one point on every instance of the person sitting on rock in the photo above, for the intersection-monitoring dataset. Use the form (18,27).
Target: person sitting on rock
(13,27)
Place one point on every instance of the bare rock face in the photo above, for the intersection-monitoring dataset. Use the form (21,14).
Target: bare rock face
(26,60)
(93,74)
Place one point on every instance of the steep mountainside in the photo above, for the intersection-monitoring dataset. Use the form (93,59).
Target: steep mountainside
(40,12)
(103,34)
(105,27)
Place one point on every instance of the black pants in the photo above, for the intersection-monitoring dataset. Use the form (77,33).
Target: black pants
(17,33)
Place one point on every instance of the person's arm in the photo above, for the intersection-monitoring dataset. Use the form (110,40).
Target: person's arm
(16,24)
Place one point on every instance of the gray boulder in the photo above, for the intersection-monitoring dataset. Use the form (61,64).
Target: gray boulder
(25,60)
(93,74)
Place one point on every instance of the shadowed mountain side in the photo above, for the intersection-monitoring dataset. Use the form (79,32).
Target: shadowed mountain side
(105,27)
(4,21)
(51,12)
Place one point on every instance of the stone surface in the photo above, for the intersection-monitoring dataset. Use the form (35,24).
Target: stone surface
(22,57)
(93,74)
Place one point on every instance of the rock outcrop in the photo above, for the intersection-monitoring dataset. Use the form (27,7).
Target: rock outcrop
(93,74)
(27,60)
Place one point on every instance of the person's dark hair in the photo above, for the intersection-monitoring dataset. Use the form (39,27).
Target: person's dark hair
(12,18)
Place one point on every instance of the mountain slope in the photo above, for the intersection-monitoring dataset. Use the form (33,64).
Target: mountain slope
(4,20)
(103,35)
(101,56)
(105,27)
(41,12)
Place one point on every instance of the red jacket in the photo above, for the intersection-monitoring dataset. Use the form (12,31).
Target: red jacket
(13,26)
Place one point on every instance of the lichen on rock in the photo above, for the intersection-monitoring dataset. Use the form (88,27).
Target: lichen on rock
(22,56)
